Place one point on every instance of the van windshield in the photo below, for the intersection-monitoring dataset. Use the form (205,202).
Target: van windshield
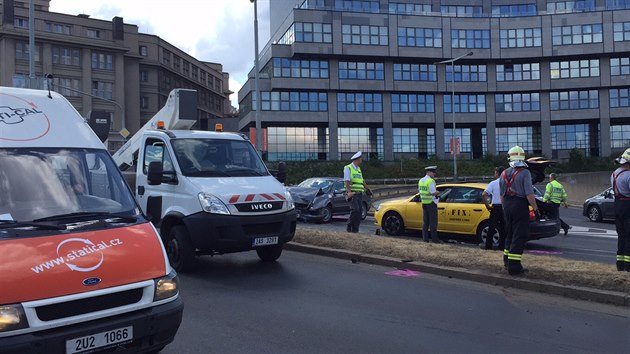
(217,158)
(43,183)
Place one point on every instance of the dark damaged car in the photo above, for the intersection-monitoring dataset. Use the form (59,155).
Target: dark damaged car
(319,199)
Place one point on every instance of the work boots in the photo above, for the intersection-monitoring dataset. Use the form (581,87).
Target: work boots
(515,268)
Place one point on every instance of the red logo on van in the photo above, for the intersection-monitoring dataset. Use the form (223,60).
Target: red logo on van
(21,120)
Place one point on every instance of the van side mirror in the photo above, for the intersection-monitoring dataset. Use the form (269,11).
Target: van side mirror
(154,175)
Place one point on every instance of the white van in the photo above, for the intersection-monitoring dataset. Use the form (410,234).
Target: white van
(82,269)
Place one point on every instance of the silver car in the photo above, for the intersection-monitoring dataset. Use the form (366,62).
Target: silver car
(600,206)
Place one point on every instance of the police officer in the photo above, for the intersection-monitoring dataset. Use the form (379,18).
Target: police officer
(355,188)
(428,196)
(620,181)
(517,193)
(495,222)
(555,193)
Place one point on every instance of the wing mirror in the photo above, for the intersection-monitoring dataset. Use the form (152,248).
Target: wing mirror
(154,175)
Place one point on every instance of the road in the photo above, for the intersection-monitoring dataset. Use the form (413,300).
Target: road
(313,304)
(586,241)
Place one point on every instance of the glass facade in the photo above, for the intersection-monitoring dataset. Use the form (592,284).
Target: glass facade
(521,38)
(461,11)
(619,98)
(570,6)
(574,68)
(293,101)
(566,137)
(466,73)
(516,10)
(621,31)
(358,5)
(365,35)
(350,70)
(617,4)
(312,69)
(466,103)
(409,9)
(517,102)
(470,39)
(415,72)
(403,103)
(296,143)
(580,34)
(359,102)
(351,140)
(307,32)
(464,136)
(518,72)
(619,66)
(527,137)
(585,99)
(419,37)
(620,136)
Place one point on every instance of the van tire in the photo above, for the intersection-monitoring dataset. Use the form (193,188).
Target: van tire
(179,249)
(269,253)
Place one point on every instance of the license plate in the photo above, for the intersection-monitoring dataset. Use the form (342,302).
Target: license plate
(263,241)
(99,340)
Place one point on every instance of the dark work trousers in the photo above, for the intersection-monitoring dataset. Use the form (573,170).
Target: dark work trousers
(429,220)
(356,206)
(622,223)
(496,222)
(555,214)
(516,213)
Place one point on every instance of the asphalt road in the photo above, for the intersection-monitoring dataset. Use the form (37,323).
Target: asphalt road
(586,241)
(312,304)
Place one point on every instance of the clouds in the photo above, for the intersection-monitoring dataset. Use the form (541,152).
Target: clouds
(220,31)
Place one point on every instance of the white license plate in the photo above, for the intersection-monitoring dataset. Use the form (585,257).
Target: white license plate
(100,340)
(263,241)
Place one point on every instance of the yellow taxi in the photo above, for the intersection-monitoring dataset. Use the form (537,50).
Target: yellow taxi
(460,211)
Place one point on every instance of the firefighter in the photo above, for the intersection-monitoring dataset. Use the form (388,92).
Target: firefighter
(555,193)
(428,196)
(355,188)
(517,193)
(620,181)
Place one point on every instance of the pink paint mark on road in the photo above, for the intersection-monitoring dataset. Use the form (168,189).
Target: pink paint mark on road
(403,273)
(544,252)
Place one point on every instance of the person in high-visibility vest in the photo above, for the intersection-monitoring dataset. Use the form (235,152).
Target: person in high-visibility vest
(355,188)
(620,181)
(428,197)
(555,193)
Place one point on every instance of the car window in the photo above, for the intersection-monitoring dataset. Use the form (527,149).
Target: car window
(466,195)
(338,186)
(444,192)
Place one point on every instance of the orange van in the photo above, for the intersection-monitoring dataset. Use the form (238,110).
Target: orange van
(81,268)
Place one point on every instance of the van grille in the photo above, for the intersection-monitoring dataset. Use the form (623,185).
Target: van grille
(88,305)
(271,229)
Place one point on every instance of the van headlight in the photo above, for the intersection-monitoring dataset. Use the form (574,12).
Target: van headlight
(166,287)
(290,203)
(12,317)
(212,204)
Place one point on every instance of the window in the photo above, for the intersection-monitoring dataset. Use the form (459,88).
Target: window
(68,87)
(143,50)
(144,102)
(313,4)
(415,72)
(580,34)
(66,56)
(619,136)
(409,9)
(186,68)
(518,72)
(574,100)
(365,35)
(617,4)
(94,33)
(574,68)
(466,73)
(22,50)
(292,101)
(360,71)
(470,39)
(102,61)
(465,144)
(144,76)
(166,57)
(403,103)
(155,150)
(295,143)
(20,22)
(419,37)
(102,89)
(195,73)
(527,137)
(358,5)
(521,38)
(565,137)
(514,10)
(619,66)
(359,102)
(406,140)
(351,140)
(621,31)
(517,102)
(308,32)
(58,28)
(570,6)
(312,69)
(466,103)
(619,98)
(461,11)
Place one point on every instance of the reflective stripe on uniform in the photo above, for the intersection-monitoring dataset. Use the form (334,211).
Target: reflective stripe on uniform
(620,257)
(515,256)
(626,258)
(506,252)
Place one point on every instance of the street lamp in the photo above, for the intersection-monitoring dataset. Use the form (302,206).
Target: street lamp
(258,103)
(454,139)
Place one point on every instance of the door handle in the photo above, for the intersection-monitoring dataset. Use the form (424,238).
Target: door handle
(441,208)
(477,210)
(140,190)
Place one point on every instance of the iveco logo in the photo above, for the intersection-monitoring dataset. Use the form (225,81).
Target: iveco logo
(91,281)
(263,206)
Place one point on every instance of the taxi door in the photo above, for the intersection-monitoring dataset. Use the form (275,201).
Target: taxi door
(463,210)
(413,213)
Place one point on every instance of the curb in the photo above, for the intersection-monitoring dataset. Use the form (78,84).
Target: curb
(573,292)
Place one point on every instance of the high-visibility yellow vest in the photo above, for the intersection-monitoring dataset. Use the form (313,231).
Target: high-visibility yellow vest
(555,193)
(356,179)
(424,187)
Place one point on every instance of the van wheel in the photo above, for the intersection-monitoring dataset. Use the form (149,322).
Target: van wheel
(179,249)
(269,253)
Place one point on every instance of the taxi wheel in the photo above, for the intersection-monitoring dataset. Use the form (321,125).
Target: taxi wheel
(594,214)
(482,233)
(393,224)
(269,253)
(180,253)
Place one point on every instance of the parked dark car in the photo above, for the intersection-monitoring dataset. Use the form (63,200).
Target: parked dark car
(318,199)
(600,206)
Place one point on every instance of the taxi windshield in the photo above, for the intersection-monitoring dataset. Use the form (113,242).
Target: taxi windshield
(43,183)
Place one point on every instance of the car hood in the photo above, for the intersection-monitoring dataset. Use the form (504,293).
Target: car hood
(304,194)
(395,202)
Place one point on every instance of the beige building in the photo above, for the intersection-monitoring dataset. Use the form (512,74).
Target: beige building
(109,59)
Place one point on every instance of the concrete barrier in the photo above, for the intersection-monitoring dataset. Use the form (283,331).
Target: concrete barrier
(580,186)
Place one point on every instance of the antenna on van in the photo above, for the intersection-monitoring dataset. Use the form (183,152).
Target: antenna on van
(49,78)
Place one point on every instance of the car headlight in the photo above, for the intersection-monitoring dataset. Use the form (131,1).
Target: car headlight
(376,206)
(290,203)
(212,204)
(12,317)
(166,287)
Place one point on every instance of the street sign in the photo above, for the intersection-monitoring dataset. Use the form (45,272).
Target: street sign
(124,132)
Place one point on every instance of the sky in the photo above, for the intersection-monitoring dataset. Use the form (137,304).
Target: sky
(219,31)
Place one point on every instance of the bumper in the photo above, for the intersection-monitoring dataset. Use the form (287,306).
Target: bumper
(543,229)
(212,233)
(310,215)
(153,328)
